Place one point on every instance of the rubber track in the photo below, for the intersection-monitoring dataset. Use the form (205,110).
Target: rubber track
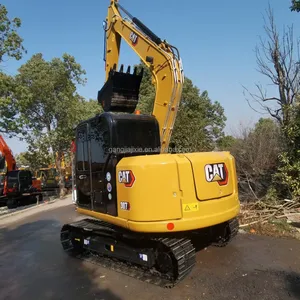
(233,231)
(182,249)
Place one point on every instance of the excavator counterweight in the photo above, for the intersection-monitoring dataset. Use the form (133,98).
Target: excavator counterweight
(120,92)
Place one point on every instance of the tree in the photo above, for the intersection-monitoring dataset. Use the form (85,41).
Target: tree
(199,123)
(226,142)
(256,152)
(48,106)
(22,160)
(11,44)
(286,178)
(295,5)
(7,106)
(277,59)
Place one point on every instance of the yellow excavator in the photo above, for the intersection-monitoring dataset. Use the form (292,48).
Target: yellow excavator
(49,176)
(145,207)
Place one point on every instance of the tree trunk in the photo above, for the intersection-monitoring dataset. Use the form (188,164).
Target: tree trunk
(61,184)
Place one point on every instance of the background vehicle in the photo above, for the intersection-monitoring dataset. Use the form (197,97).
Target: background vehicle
(49,177)
(152,204)
(18,184)
(21,189)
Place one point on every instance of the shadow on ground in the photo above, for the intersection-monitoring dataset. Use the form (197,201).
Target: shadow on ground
(293,284)
(34,266)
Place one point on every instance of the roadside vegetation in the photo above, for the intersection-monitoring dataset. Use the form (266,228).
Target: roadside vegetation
(41,105)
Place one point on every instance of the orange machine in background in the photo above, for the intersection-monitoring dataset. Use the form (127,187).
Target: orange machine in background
(18,184)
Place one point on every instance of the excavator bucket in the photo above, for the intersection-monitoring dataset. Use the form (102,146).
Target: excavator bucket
(2,162)
(120,93)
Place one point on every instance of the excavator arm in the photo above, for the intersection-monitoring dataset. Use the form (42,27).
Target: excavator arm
(7,155)
(121,90)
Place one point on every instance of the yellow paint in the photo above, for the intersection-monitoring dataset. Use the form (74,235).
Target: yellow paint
(107,218)
(164,185)
(155,193)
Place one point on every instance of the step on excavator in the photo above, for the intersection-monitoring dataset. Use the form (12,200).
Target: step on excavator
(143,207)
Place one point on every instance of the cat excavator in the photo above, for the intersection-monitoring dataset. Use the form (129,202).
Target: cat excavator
(144,208)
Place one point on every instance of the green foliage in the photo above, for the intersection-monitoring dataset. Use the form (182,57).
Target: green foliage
(286,179)
(11,44)
(21,160)
(46,106)
(199,123)
(295,5)
(7,106)
(226,143)
(46,99)
(147,91)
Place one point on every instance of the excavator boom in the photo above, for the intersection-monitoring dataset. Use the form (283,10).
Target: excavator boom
(121,90)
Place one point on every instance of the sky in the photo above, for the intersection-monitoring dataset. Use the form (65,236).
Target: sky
(216,40)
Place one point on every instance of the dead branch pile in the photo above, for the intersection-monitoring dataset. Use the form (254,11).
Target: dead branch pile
(260,212)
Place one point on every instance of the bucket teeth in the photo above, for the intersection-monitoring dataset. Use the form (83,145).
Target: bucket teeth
(135,70)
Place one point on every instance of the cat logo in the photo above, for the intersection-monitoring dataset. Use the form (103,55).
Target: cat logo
(216,173)
(134,38)
(127,178)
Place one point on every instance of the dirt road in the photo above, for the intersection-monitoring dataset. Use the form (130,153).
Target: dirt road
(33,266)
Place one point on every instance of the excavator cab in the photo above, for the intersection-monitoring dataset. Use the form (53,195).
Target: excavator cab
(110,137)
(120,92)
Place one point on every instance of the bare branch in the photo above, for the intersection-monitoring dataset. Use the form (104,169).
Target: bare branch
(277,58)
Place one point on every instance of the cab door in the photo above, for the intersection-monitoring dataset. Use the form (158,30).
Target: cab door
(83,169)
(100,141)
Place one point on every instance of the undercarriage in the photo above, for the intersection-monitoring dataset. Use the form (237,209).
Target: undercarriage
(162,260)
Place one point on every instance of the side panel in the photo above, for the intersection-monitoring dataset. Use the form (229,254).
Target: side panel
(214,174)
(148,188)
